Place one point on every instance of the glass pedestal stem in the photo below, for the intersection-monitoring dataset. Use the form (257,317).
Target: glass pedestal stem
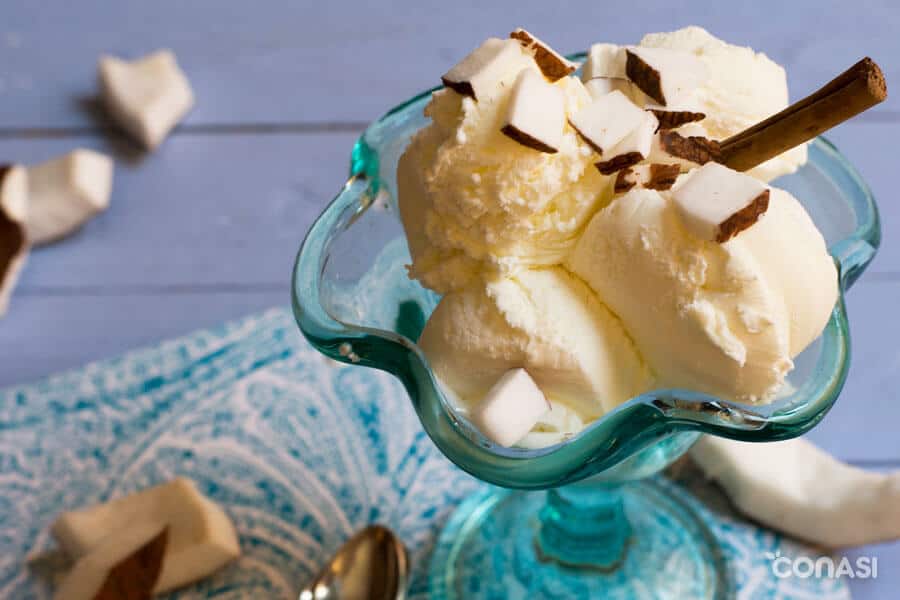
(584,525)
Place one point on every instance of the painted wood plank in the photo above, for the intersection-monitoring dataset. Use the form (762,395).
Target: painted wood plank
(45,334)
(287,61)
(867,145)
(232,209)
(204,210)
(886,584)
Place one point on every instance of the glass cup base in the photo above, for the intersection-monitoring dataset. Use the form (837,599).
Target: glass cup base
(489,549)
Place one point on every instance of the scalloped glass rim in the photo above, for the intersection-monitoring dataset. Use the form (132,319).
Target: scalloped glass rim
(635,425)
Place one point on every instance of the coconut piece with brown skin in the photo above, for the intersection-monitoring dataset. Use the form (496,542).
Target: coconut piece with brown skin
(487,69)
(201,536)
(633,148)
(693,148)
(13,236)
(652,176)
(536,115)
(672,119)
(667,76)
(717,203)
(607,121)
(552,64)
(124,566)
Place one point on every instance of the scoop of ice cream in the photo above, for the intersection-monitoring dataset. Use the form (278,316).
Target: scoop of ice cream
(475,203)
(727,318)
(599,298)
(744,87)
(543,320)
(793,254)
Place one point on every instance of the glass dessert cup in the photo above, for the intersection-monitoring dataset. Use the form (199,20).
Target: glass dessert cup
(601,528)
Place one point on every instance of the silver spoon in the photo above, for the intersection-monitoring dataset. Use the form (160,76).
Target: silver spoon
(372,565)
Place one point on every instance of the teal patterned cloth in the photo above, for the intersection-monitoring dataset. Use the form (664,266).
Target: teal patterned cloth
(300,451)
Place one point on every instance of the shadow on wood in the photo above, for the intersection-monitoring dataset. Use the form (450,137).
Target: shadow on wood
(121,145)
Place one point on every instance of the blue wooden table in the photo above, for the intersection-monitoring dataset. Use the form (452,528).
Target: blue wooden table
(205,229)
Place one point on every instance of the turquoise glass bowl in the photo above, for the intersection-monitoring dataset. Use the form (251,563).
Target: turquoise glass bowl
(354,302)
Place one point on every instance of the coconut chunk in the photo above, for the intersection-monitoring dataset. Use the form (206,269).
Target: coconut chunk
(148,96)
(511,408)
(13,234)
(536,115)
(717,203)
(201,536)
(65,193)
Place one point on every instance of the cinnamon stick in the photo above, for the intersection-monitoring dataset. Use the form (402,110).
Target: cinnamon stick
(859,88)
